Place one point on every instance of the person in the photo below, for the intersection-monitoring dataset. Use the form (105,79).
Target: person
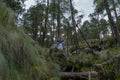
(60,44)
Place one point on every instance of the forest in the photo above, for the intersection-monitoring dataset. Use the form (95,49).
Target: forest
(52,41)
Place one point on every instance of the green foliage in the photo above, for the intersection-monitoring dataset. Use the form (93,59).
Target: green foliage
(105,62)
(34,19)
(6,16)
(93,43)
(20,57)
(15,5)
(109,65)
(99,6)
(22,54)
(92,29)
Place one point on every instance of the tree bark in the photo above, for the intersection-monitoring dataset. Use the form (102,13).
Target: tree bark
(97,27)
(35,30)
(74,27)
(112,24)
(67,37)
(46,21)
(115,11)
(83,37)
(78,74)
(53,23)
(58,18)
(116,15)
(118,3)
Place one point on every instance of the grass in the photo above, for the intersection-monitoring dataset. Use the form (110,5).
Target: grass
(20,57)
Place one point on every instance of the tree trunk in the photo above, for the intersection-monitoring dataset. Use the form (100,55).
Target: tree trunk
(53,23)
(112,24)
(74,27)
(116,15)
(83,37)
(34,30)
(58,19)
(46,21)
(97,28)
(51,32)
(115,12)
(68,37)
(118,3)
(78,74)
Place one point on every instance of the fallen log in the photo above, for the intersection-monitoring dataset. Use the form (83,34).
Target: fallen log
(78,74)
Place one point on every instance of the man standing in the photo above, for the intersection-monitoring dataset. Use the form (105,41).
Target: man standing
(60,44)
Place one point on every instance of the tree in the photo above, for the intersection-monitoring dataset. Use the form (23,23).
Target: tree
(114,28)
(74,26)
(99,6)
(58,18)
(46,21)
(17,6)
(102,5)
(35,18)
(85,29)
(115,11)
